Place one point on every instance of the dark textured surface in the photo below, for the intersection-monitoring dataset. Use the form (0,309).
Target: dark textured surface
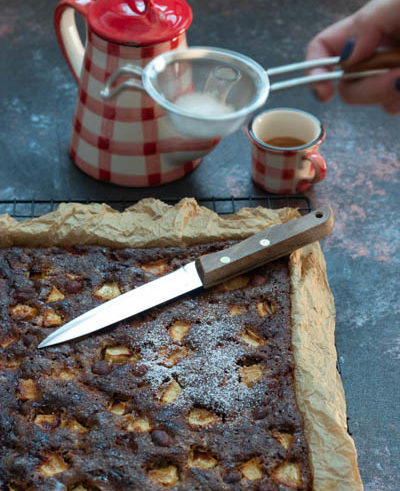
(79,382)
(362,150)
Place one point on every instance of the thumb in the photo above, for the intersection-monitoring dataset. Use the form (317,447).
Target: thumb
(365,42)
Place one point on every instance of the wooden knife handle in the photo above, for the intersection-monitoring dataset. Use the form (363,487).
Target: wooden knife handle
(382,59)
(265,246)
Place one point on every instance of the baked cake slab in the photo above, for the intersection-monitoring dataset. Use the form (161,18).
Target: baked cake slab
(233,388)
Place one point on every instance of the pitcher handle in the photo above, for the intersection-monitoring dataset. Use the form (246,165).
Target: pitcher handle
(67,32)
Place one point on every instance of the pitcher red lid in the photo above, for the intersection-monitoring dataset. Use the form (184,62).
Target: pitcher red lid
(139,22)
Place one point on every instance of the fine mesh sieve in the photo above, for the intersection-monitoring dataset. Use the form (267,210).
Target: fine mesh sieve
(210,92)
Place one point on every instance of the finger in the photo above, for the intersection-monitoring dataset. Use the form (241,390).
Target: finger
(366,38)
(392,107)
(373,25)
(379,89)
(323,91)
(328,43)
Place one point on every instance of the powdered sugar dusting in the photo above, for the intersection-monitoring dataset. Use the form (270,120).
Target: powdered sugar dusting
(203,104)
(210,377)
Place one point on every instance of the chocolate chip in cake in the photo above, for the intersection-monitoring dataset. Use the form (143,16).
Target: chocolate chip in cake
(73,286)
(260,413)
(161,438)
(126,440)
(266,487)
(101,367)
(28,339)
(141,370)
(232,477)
(24,293)
(258,280)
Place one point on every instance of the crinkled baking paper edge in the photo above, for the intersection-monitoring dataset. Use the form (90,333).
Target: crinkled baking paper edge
(151,223)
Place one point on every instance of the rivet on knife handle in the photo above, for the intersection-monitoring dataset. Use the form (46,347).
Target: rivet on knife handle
(265,246)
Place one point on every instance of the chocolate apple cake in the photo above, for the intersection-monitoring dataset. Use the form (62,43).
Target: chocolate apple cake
(196,394)
(233,388)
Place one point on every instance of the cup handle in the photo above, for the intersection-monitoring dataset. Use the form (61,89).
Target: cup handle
(319,164)
(67,33)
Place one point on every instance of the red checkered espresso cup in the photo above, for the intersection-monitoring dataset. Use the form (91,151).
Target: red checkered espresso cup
(285,150)
(128,140)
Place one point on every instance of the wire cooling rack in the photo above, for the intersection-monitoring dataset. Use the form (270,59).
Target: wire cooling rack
(25,209)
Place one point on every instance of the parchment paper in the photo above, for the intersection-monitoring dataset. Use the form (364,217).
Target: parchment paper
(151,223)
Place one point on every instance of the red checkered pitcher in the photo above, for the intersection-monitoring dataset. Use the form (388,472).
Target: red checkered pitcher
(128,140)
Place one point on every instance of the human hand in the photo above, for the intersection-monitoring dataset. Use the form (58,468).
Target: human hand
(355,38)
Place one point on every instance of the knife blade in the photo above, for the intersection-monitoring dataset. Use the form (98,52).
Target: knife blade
(208,270)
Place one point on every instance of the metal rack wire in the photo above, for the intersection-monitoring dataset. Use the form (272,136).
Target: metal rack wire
(25,209)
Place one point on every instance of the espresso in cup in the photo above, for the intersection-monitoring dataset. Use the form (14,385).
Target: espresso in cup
(285,142)
(285,150)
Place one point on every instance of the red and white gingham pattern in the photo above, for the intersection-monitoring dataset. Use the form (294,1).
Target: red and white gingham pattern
(128,140)
(282,172)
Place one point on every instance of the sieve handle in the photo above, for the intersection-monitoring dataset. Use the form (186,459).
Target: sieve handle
(109,92)
(389,58)
(287,84)
(379,62)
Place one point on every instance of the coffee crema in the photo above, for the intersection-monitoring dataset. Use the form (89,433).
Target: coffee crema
(285,142)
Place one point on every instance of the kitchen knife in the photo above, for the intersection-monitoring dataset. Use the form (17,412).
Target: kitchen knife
(208,270)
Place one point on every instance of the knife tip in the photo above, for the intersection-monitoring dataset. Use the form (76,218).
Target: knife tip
(53,339)
(46,342)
